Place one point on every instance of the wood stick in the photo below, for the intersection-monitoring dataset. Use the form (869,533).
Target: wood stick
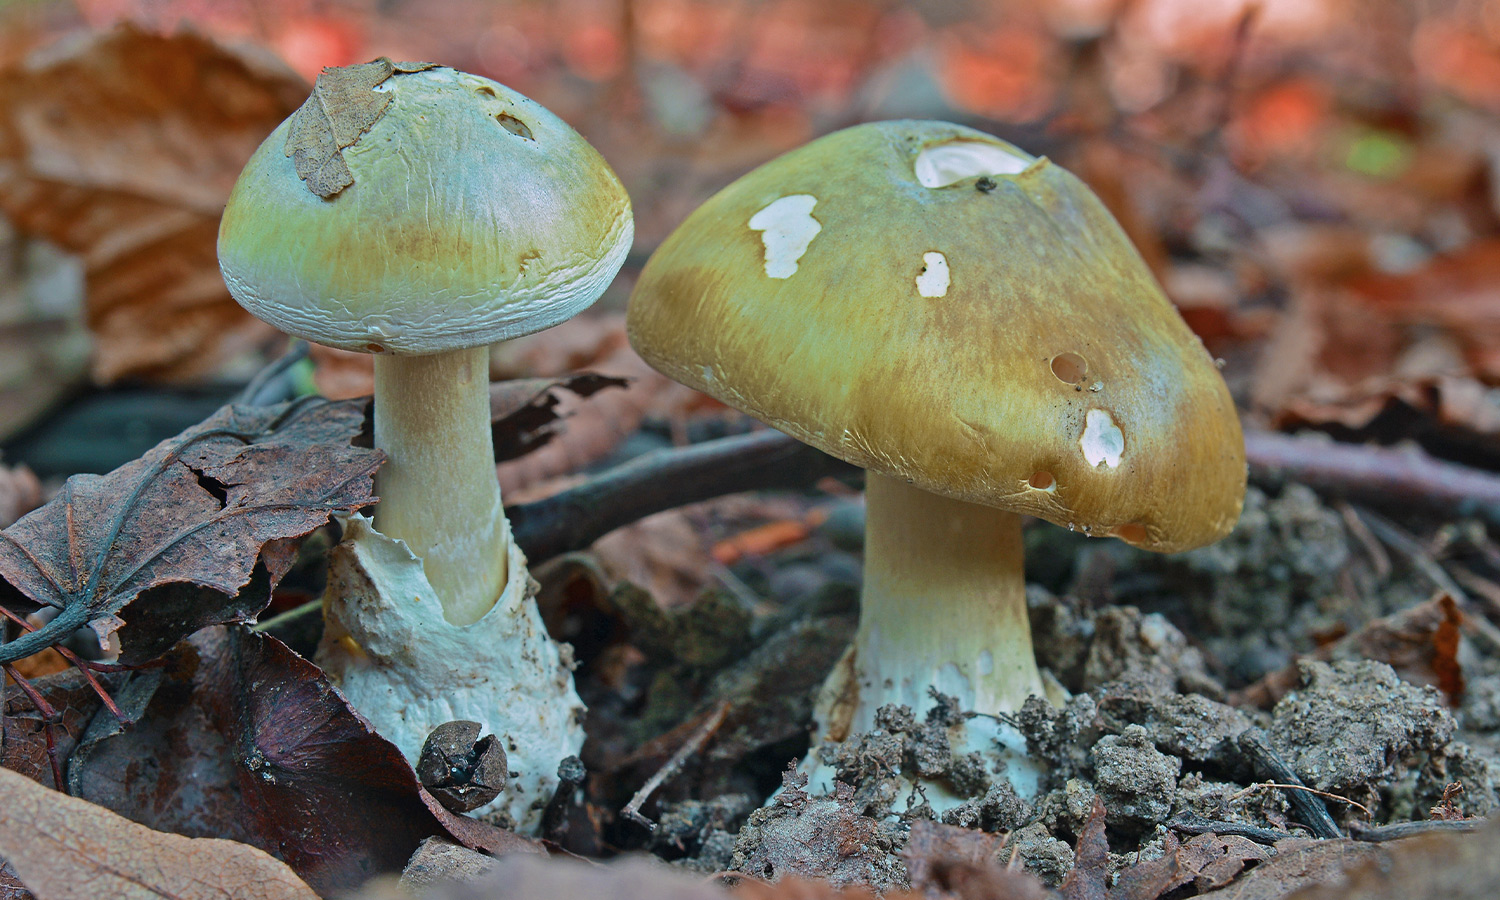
(665,479)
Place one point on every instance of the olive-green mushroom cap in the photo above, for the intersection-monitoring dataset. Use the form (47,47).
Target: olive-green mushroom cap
(474,215)
(931,303)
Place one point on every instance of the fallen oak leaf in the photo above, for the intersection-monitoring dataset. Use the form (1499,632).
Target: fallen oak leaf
(343,106)
(121,146)
(23,728)
(946,860)
(278,761)
(524,412)
(1299,863)
(65,848)
(196,509)
(1089,877)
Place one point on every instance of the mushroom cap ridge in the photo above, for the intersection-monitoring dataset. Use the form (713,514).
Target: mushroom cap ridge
(458,231)
(1049,376)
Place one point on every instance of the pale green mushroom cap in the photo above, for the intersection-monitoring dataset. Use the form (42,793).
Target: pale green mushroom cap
(931,303)
(474,216)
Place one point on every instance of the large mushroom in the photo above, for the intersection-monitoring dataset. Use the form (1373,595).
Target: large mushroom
(421,214)
(970,325)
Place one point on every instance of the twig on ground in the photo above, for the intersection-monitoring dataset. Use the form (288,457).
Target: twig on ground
(632,810)
(290,615)
(665,479)
(258,391)
(1411,549)
(1367,540)
(1405,477)
(571,774)
(1383,833)
(1191,823)
(1268,765)
(1300,787)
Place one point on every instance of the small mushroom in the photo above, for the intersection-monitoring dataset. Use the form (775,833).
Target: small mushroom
(969,324)
(421,214)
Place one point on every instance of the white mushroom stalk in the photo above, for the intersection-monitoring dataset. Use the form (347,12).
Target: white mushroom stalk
(438,490)
(943,606)
(421,214)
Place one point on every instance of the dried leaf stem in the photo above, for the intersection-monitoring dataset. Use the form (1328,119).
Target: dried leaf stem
(1300,787)
(632,810)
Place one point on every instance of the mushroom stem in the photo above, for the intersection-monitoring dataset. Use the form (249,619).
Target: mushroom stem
(944,605)
(438,490)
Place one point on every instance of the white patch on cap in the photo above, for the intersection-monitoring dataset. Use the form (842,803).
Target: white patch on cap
(945,164)
(787,228)
(934,280)
(1103,441)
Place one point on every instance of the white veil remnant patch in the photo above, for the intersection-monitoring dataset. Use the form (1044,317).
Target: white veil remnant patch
(787,228)
(1103,441)
(945,164)
(935,278)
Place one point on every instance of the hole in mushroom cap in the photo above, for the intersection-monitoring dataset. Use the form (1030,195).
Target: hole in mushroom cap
(1042,481)
(375,348)
(1070,368)
(1130,533)
(514,125)
(945,164)
(485,90)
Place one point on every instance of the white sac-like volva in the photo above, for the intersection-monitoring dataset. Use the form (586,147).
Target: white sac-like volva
(407,669)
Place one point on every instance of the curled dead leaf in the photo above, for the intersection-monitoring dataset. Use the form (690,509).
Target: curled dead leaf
(121,147)
(193,514)
(65,848)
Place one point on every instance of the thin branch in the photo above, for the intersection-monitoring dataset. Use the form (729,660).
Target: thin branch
(51,717)
(1300,787)
(1410,829)
(632,810)
(1266,763)
(1191,823)
(665,479)
(1404,478)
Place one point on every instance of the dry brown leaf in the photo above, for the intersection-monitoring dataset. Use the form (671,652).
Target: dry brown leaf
(65,848)
(948,861)
(804,889)
(666,553)
(343,105)
(1298,864)
(528,877)
(23,730)
(342,374)
(121,147)
(1421,643)
(11,887)
(197,509)
(594,428)
(1450,866)
(1089,877)
(20,493)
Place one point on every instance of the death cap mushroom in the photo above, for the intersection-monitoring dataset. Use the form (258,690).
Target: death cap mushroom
(429,210)
(936,305)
